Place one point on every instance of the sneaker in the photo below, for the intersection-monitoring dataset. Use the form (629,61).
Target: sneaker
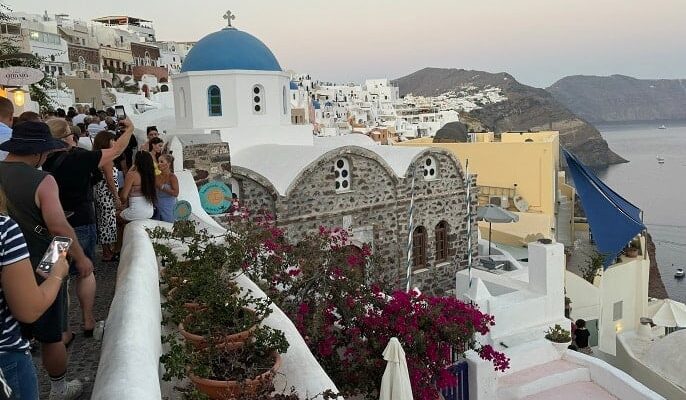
(74,390)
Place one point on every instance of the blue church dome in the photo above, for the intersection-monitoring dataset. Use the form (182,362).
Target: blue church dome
(230,49)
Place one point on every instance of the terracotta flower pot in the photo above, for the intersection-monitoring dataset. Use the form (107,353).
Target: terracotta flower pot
(200,342)
(236,389)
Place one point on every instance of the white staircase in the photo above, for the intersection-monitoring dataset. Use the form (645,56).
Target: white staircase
(541,378)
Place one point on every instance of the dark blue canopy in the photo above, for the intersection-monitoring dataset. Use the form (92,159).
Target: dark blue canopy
(613,220)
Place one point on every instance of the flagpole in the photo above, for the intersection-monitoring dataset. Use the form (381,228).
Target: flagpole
(409,236)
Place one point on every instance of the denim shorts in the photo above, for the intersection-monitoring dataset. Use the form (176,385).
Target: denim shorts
(88,238)
(20,375)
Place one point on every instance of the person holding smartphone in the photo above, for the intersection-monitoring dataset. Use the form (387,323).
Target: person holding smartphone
(22,299)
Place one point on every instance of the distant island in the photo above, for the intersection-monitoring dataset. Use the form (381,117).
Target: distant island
(524,108)
(620,98)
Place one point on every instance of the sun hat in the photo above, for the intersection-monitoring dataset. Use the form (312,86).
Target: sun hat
(32,138)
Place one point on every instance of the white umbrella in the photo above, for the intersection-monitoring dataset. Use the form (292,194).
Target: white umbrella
(668,313)
(395,384)
(492,213)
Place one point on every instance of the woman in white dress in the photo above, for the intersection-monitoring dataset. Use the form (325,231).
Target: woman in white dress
(139,189)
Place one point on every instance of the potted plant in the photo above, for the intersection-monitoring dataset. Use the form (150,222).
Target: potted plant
(560,337)
(225,317)
(228,370)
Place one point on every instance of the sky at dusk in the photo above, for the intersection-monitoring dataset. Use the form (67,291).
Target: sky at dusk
(537,41)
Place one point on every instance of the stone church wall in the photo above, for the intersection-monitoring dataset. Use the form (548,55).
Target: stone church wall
(376,211)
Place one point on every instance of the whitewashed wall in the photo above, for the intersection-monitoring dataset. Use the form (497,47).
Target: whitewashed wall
(131,346)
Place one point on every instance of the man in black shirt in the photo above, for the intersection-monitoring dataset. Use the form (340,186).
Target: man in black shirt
(75,171)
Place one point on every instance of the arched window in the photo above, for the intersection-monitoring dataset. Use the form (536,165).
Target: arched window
(341,171)
(258,102)
(419,247)
(442,241)
(430,168)
(214,101)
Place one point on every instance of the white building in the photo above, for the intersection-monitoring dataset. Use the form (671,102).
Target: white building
(40,36)
(526,298)
(231,84)
(171,56)
(142,28)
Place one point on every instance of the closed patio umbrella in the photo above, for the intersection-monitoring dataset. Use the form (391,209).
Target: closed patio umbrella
(668,313)
(395,384)
(492,213)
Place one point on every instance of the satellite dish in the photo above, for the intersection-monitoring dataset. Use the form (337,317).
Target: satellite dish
(520,203)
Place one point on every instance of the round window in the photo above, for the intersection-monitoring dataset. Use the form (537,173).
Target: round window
(341,172)
(430,170)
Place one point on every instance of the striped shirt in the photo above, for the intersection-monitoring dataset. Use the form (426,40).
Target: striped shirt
(12,249)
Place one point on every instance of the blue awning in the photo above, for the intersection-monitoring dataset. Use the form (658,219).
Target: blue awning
(613,220)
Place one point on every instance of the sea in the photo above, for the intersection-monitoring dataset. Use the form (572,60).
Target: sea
(658,189)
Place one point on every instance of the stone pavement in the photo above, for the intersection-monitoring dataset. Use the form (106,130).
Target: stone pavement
(84,353)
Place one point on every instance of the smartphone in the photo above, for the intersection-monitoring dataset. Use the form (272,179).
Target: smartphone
(58,245)
(119,113)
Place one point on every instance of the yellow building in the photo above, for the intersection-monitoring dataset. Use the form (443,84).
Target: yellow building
(519,171)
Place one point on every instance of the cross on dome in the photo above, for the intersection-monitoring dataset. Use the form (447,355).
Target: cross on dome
(229,16)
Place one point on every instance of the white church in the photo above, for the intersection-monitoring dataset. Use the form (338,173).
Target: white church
(231,84)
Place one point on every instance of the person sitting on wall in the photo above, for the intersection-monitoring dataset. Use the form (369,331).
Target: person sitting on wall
(581,336)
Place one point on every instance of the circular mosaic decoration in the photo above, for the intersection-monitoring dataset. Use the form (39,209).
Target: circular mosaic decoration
(182,210)
(215,197)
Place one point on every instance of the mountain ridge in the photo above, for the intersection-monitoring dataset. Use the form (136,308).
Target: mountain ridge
(526,108)
(621,98)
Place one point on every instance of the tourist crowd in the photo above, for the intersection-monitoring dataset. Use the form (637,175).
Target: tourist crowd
(77,173)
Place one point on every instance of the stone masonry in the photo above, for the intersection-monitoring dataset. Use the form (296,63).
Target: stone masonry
(208,162)
(375,210)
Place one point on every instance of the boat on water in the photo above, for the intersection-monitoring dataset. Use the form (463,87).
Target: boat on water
(679,273)
(661,127)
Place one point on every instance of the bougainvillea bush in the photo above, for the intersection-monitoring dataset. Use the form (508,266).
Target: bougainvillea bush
(347,311)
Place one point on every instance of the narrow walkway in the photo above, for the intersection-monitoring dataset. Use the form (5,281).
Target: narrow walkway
(84,353)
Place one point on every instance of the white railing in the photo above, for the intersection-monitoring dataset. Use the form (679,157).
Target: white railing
(131,346)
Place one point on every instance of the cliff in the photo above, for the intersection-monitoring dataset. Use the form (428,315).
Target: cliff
(525,108)
(621,98)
